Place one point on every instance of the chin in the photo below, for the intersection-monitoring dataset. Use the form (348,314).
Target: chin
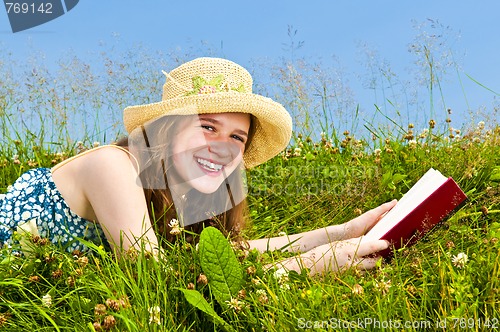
(204,187)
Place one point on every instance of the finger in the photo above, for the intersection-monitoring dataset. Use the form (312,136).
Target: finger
(371,247)
(384,208)
(368,263)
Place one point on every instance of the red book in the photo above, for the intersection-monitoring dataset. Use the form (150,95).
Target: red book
(432,199)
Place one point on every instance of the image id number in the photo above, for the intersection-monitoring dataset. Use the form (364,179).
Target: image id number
(28,8)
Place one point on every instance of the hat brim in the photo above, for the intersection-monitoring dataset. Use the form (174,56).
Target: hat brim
(273,124)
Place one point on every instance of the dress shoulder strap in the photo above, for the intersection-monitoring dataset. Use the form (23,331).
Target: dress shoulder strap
(64,162)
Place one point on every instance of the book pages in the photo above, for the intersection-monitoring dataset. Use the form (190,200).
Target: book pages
(427,184)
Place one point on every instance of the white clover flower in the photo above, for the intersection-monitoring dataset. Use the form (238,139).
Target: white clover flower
(460,260)
(96,144)
(280,273)
(261,292)
(377,152)
(285,286)
(174,223)
(383,286)
(281,234)
(154,315)
(480,125)
(176,229)
(235,304)
(47,300)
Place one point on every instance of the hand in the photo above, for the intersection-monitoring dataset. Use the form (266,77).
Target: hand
(362,224)
(342,255)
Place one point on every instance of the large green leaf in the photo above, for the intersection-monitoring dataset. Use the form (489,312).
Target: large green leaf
(198,301)
(220,265)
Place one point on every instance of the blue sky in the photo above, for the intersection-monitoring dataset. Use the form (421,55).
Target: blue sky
(243,31)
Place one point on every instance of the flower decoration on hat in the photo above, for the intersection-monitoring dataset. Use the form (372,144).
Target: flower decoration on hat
(216,84)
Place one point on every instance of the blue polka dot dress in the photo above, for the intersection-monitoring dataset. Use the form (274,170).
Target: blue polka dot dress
(34,196)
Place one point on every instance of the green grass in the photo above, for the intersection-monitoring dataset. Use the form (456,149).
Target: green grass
(312,184)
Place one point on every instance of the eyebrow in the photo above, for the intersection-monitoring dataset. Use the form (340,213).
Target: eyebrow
(217,122)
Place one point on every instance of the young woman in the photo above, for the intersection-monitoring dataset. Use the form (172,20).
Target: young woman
(184,159)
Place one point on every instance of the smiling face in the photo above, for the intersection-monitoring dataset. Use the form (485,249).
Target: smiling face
(207,148)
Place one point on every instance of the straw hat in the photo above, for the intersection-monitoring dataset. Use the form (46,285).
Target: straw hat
(213,85)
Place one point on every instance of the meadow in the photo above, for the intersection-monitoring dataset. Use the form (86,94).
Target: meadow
(329,174)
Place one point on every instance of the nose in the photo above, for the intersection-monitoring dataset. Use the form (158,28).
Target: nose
(223,148)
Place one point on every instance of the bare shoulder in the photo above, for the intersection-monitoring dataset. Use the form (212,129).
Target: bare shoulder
(109,169)
(107,159)
(110,183)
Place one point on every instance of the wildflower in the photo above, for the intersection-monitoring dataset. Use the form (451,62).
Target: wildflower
(424,133)
(357,289)
(235,304)
(377,152)
(99,309)
(484,210)
(460,260)
(256,281)
(190,285)
(3,319)
(82,261)
(113,304)
(242,293)
(412,289)
(262,296)
(297,151)
(281,274)
(15,160)
(47,300)
(202,279)
(96,144)
(480,125)
(154,315)
(412,144)
(383,286)
(176,229)
(109,322)
(70,281)
(57,274)
(432,123)
(34,279)
(281,234)
(251,270)
(306,293)
(97,326)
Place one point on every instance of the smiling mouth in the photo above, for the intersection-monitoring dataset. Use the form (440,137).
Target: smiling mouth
(208,165)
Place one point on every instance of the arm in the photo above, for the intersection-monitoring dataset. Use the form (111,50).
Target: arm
(306,241)
(332,248)
(110,183)
(336,256)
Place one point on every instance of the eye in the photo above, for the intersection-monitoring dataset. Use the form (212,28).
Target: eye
(207,127)
(238,138)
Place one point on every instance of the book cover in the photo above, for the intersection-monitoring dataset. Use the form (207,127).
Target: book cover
(432,199)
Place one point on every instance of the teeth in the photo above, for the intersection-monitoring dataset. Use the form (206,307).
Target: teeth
(208,165)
